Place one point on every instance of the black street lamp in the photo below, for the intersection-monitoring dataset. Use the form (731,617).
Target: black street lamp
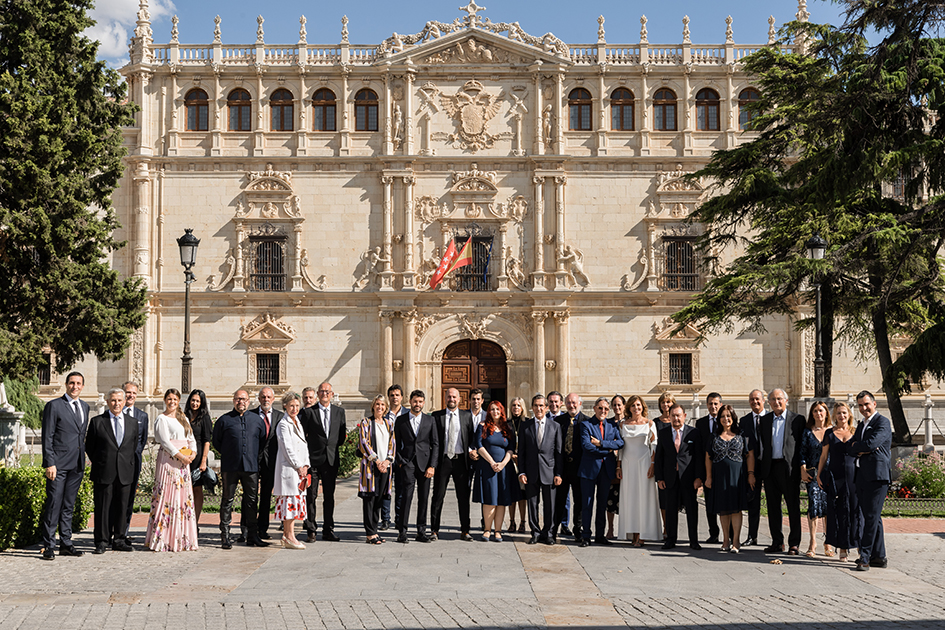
(816,247)
(188,256)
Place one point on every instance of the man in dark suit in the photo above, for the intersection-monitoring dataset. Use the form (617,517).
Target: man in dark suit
(570,423)
(679,468)
(325,430)
(540,463)
(749,425)
(65,422)
(871,445)
(238,436)
(110,444)
(267,458)
(418,448)
(599,439)
(131,395)
(706,427)
(780,434)
(454,433)
(396,408)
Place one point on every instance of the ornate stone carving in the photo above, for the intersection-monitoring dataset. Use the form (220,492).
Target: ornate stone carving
(471,108)
(216,30)
(473,329)
(729,35)
(398,365)
(427,268)
(685,30)
(137,356)
(601,39)
(573,260)
(468,51)
(230,263)
(423,323)
(260,35)
(772,34)
(515,208)
(644,261)
(267,327)
(643,33)
(515,272)
(427,210)
(270,179)
(319,285)
(373,261)
(550,365)
(344,29)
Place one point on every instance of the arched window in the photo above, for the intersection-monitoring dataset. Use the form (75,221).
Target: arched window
(621,110)
(579,105)
(240,106)
(744,98)
(365,110)
(281,107)
(198,110)
(664,110)
(323,106)
(707,110)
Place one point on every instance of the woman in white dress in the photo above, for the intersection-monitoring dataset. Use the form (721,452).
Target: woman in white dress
(172,525)
(291,467)
(639,517)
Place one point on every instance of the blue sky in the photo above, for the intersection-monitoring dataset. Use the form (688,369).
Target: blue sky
(371,21)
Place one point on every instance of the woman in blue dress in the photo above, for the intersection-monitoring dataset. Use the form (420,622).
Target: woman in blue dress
(835,474)
(496,486)
(811,450)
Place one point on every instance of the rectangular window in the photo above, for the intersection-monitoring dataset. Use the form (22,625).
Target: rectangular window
(679,271)
(44,373)
(680,369)
(474,277)
(197,117)
(267,369)
(267,264)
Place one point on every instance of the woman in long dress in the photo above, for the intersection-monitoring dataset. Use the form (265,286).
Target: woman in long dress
(835,473)
(172,525)
(198,414)
(517,416)
(725,457)
(291,467)
(495,487)
(377,446)
(639,518)
(665,403)
(618,405)
(811,450)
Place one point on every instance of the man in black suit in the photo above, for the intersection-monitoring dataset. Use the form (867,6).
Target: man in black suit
(454,433)
(706,427)
(571,450)
(749,425)
(267,458)
(418,448)
(131,395)
(679,468)
(110,444)
(540,464)
(65,422)
(325,430)
(780,434)
(395,397)
(871,445)
(238,436)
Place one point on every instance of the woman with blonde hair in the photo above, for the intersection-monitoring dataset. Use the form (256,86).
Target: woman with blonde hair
(835,473)
(377,447)
(172,525)
(290,469)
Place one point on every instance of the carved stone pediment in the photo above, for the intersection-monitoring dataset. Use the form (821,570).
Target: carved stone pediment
(270,179)
(663,332)
(474,182)
(267,330)
(486,44)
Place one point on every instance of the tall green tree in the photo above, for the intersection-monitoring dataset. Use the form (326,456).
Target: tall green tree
(61,112)
(837,126)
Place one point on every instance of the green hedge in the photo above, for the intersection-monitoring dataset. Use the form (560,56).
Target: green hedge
(350,459)
(22,493)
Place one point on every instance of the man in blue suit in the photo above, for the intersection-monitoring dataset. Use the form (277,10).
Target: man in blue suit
(599,440)
(131,395)
(65,422)
(870,445)
(238,436)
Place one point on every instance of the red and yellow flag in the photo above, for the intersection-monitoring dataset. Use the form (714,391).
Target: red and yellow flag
(451,260)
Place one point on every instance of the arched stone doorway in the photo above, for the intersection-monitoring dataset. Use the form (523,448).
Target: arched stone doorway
(475,363)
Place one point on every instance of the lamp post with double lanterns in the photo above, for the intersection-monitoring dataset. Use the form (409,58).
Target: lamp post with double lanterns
(188,256)
(816,247)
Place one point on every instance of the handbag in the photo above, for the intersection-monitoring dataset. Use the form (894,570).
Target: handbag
(305,482)
(207,478)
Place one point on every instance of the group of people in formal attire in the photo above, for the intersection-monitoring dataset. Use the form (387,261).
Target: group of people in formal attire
(552,464)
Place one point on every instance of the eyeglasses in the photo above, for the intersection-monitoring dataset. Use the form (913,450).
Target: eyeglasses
(241,399)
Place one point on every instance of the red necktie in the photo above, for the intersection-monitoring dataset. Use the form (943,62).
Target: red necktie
(266,420)
(602,434)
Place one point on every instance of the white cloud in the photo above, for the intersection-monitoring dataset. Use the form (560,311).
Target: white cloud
(115,23)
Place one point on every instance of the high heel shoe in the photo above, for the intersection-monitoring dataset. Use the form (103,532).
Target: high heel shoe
(288,544)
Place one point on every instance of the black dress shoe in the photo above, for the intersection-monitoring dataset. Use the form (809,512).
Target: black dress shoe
(792,551)
(256,541)
(668,545)
(565,531)
(695,546)
(225,543)
(129,540)
(712,540)
(70,550)
(584,543)
(879,563)
(48,554)
(330,537)
(310,537)
(402,538)
(241,538)
(602,540)
(265,536)
(774,549)
(99,549)
(466,536)
(750,542)
(551,542)
(861,567)
(384,526)
(422,538)
(532,541)
(121,545)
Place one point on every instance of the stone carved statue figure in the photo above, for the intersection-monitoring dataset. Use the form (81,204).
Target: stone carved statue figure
(573,260)
(398,127)
(373,261)
(515,273)
(547,125)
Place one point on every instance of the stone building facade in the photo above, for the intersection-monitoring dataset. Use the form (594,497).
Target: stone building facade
(325,182)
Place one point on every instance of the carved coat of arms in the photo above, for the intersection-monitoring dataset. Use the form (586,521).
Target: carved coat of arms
(472,108)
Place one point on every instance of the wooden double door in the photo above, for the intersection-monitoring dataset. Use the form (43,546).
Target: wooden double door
(475,363)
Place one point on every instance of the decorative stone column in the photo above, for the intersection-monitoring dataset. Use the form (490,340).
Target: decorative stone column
(538,317)
(645,102)
(216,114)
(240,275)
(302,130)
(388,139)
(561,274)
(145,144)
(409,276)
(175,103)
(559,112)
(387,349)
(345,143)
(539,135)
(297,258)
(410,350)
(142,225)
(563,351)
(259,143)
(652,281)
(538,275)
(386,272)
(408,114)
(502,280)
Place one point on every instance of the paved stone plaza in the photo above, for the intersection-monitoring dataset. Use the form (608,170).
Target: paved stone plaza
(455,584)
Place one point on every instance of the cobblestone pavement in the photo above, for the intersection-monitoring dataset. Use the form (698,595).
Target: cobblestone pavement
(456,584)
